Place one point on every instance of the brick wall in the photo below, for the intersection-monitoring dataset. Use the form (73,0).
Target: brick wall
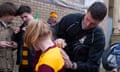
(115,38)
(43,9)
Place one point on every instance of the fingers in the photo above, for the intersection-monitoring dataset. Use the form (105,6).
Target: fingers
(6,44)
(60,43)
(13,44)
(3,46)
(68,63)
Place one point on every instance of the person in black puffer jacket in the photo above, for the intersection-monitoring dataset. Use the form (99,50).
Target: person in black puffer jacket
(85,39)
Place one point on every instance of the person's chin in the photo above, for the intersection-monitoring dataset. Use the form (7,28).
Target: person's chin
(85,28)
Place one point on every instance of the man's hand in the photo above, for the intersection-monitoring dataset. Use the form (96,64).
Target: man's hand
(60,43)
(5,44)
(13,44)
(17,30)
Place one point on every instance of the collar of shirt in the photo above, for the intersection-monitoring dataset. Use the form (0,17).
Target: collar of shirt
(4,24)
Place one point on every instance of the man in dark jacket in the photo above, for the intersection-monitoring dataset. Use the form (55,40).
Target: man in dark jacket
(24,54)
(85,39)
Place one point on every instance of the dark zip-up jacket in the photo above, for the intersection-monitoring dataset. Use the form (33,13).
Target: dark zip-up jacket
(19,38)
(85,47)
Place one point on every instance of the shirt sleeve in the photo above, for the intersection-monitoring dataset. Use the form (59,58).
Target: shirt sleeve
(62,25)
(45,68)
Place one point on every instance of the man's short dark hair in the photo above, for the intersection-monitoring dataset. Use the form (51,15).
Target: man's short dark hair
(7,8)
(23,9)
(98,10)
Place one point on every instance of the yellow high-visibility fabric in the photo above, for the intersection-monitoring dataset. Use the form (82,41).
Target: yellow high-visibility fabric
(52,58)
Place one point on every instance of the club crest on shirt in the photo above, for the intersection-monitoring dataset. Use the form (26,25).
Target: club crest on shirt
(82,39)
